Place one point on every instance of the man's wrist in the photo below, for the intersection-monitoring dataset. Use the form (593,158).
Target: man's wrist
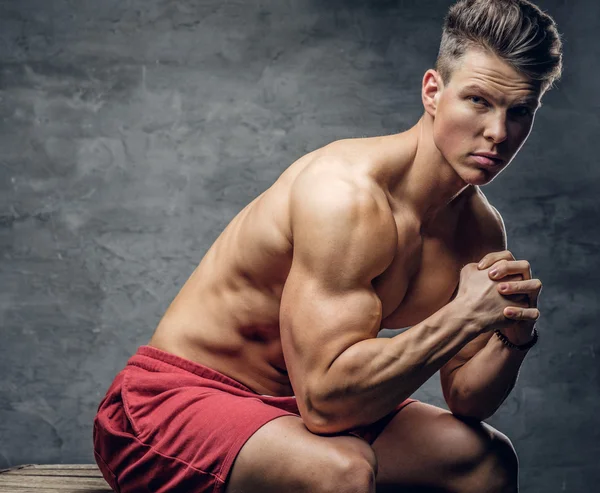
(518,336)
(471,325)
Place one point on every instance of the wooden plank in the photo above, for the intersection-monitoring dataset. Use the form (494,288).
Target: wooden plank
(61,466)
(85,473)
(53,490)
(83,470)
(52,467)
(53,478)
(14,468)
(50,482)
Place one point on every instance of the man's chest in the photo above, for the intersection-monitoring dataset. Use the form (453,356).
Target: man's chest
(422,277)
(413,292)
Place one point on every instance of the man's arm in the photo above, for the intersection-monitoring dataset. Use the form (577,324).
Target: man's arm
(477,380)
(343,376)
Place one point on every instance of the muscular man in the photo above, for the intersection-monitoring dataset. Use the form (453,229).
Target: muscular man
(266,375)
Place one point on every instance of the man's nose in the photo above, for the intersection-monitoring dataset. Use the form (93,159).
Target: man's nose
(496,128)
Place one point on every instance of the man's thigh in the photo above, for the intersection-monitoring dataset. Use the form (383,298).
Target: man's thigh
(284,456)
(427,448)
(423,448)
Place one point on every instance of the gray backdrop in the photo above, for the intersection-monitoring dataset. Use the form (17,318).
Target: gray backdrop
(133,131)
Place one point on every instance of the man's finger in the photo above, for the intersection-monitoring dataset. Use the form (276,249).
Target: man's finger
(508,267)
(515,313)
(493,257)
(517,287)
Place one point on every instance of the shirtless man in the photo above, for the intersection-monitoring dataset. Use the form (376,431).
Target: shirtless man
(266,375)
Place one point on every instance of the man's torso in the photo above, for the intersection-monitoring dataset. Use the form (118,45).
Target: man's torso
(226,316)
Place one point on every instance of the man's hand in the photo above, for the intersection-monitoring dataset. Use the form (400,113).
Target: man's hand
(515,281)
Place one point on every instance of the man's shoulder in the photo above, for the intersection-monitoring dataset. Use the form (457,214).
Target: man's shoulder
(335,216)
(484,225)
(335,178)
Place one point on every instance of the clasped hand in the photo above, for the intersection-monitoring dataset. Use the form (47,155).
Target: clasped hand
(515,282)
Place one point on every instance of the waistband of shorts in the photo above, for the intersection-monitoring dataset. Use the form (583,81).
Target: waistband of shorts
(154,359)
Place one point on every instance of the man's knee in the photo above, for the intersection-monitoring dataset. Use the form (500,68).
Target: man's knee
(476,442)
(352,468)
(503,463)
(486,455)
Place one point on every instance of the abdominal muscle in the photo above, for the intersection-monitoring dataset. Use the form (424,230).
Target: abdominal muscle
(219,332)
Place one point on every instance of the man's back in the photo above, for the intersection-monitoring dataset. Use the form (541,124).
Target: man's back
(228,313)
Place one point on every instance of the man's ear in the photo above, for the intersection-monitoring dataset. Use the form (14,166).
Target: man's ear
(431,91)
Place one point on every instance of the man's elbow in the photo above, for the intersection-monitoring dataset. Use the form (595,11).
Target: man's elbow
(320,418)
(318,425)
(462,407)
(465,413)
(325,426)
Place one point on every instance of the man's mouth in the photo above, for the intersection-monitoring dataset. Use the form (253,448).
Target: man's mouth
(487,160)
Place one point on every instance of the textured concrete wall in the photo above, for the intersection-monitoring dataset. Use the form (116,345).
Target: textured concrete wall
(132,132)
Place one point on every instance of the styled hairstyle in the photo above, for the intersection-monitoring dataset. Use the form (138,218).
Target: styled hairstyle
(516,31)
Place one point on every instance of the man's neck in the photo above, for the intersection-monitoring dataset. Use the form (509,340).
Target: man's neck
(420,176)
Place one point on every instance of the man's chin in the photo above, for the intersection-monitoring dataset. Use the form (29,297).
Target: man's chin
(477,176)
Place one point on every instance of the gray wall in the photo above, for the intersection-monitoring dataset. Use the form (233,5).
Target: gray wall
(132,132)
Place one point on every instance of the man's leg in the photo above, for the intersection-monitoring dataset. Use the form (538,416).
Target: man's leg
(423,449)
(283,456)
(427,449)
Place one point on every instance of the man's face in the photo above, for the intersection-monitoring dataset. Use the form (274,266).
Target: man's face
(487,107)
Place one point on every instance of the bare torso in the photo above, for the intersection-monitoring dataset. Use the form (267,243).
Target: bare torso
(226,316)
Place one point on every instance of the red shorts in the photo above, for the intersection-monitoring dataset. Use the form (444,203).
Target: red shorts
(168,424)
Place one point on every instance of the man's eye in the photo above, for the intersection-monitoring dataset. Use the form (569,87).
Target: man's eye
(477,100)
(521,111)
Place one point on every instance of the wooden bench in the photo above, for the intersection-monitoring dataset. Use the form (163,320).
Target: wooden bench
(53,478)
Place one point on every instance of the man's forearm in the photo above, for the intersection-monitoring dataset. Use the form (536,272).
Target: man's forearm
(369,379)
(482,384)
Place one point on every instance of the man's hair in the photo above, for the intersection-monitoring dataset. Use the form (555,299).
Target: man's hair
(516,31)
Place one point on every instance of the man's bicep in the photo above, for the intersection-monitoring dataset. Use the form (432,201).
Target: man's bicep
(342,241)
(317,325)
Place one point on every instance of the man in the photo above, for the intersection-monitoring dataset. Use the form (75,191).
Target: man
(266,375)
